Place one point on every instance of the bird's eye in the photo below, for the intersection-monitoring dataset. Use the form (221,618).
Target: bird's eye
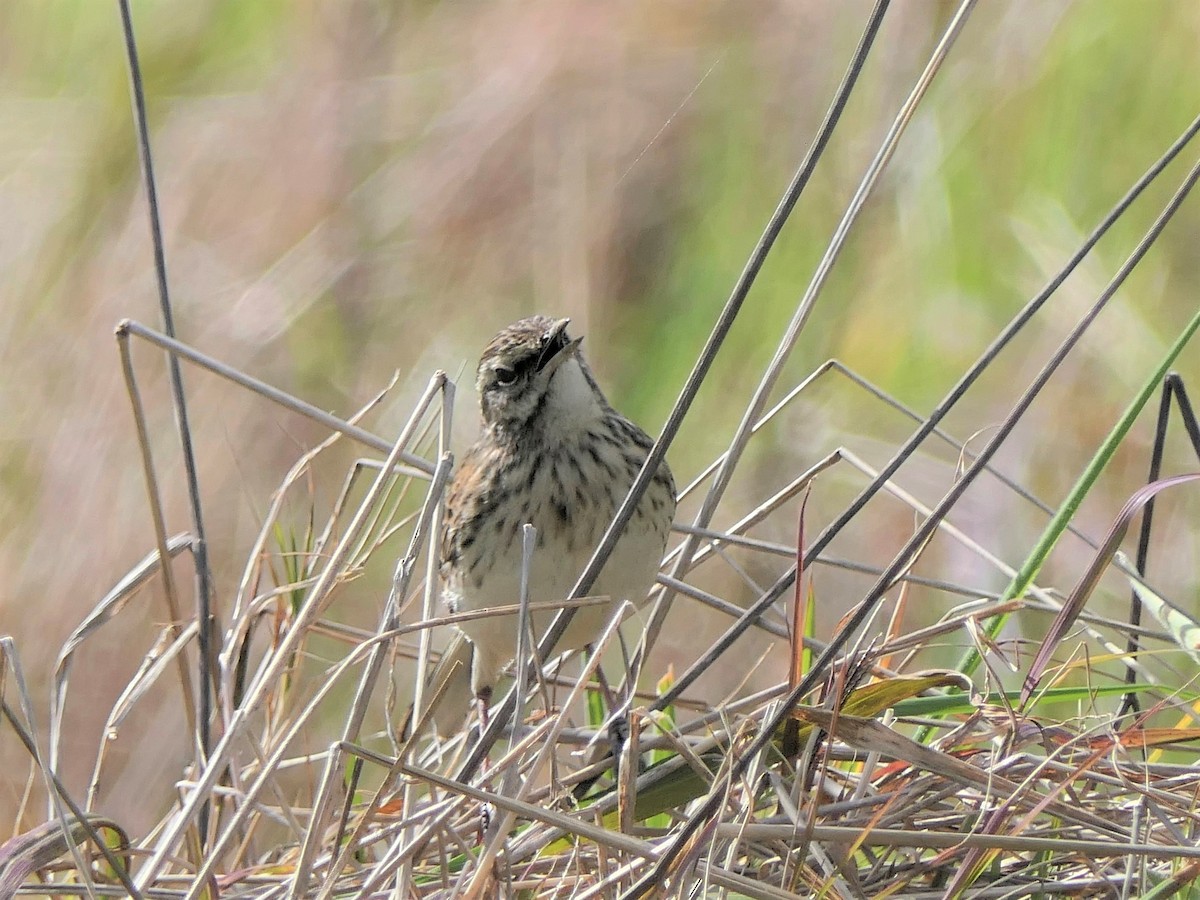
(505,376)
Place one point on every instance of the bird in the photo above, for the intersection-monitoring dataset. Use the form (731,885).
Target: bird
(552,453)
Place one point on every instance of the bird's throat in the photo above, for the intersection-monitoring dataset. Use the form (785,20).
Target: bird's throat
(572,403)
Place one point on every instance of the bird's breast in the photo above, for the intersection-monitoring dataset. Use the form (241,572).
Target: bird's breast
(569,492)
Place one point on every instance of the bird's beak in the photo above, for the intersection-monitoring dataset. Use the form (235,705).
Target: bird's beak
(558,348)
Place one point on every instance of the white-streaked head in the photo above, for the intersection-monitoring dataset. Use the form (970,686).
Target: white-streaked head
(533,376)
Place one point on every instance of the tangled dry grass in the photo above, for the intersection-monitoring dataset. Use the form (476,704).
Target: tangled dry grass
(994,799)
(1066,767)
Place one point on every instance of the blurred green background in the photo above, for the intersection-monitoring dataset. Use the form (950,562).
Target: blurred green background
(353,188)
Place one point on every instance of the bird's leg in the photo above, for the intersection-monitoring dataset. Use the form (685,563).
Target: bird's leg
(483,704)
(609,701)
(618,725)
(618,734)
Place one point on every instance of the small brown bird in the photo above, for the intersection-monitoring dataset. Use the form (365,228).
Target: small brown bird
(554,454)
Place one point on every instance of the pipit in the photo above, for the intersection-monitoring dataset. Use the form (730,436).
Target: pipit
(554,454)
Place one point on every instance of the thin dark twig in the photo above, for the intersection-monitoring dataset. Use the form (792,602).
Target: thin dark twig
(1186,412)
(902,560)
(1132,645)
(935,417)
(1172,389)
(501,715)
(204,612)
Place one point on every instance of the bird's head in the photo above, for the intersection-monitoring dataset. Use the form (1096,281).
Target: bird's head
(532,375)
